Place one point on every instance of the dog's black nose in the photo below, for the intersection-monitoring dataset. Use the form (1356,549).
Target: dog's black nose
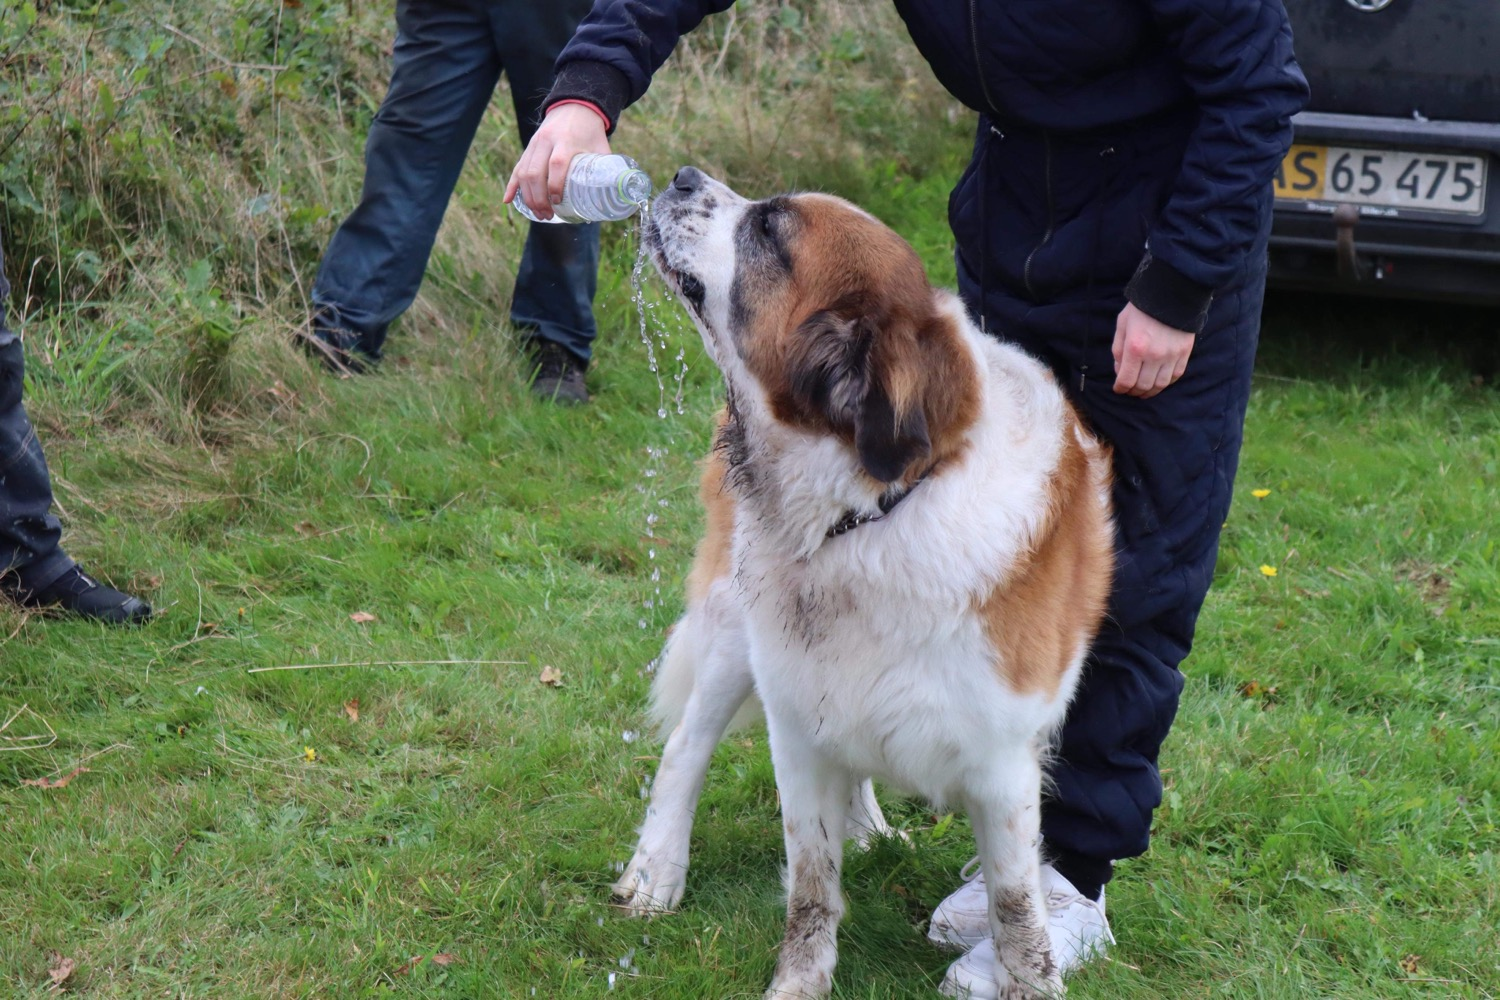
(688,180)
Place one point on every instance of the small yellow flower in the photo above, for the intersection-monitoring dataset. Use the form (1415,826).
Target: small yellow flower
(1260,494)
(1264,571)
(312,754)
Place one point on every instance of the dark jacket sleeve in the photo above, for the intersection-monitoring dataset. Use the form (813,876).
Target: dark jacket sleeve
(619,46)
(1236,57)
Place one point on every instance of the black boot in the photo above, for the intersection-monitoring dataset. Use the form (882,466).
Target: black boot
(336,350)
(558,376)
(80,594)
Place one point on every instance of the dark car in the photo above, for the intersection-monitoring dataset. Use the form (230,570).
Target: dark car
(1389,186)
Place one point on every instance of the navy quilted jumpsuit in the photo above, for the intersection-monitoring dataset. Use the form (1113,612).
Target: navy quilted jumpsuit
(1124,152)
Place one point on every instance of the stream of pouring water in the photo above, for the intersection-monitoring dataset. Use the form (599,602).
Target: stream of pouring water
(657,338)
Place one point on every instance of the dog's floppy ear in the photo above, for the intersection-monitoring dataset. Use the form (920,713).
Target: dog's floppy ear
(889,441)
(839,371)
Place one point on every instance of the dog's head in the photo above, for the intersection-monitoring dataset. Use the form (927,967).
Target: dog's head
(823,315)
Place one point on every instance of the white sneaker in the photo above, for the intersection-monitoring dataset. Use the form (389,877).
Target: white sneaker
(1077,930)
(1076,925)
(962,920)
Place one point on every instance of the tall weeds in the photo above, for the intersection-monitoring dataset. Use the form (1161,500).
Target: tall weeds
(171,172)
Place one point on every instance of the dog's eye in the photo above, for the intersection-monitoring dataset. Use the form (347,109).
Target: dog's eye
(767,222)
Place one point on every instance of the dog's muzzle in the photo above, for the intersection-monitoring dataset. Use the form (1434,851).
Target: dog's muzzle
(667,214)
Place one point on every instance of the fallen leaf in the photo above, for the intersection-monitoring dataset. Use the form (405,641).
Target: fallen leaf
(443,958)
(361,617)
(61,969)
(56,782)
(1409,964)
(1260,494)
(351,709)
(411,963)
(310,754)
(1263,694)
(551,676)
(1268,571)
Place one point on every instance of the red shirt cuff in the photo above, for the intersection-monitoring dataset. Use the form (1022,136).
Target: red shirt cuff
(586,104)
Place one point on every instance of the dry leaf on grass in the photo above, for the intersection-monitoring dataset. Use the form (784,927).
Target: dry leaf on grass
(61,969)
(361,617)
(411,963)
(56,782)
(442,958)
(351,709)
(551,676)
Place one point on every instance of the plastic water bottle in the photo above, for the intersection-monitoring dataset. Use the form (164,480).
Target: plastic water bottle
(599,188)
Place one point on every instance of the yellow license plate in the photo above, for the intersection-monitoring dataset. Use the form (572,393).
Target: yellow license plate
(1384,179)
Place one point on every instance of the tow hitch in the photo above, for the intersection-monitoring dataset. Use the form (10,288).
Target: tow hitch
(1351,267)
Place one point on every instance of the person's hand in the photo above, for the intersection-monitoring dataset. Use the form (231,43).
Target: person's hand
(568,129)
(1149,355)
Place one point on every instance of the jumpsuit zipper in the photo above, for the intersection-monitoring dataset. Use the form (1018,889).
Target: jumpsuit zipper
(1046,233)
(978,62)
(989,99)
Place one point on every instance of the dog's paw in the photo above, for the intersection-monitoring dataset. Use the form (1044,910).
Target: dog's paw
(810,986)
(863,836)
(649,888)
(1033,988)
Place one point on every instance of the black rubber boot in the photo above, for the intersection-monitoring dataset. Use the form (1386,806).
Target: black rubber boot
(80,594)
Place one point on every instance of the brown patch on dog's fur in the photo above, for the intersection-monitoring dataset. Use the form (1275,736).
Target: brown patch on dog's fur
(857,293)
(711,560)
(1051,606)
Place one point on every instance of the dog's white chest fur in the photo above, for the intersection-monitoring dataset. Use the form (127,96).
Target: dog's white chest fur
(872,643)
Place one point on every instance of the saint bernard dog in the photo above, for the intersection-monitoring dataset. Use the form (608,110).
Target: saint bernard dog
(908,551)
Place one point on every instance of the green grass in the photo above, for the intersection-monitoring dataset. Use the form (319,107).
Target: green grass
(1333,792)
(1322,826)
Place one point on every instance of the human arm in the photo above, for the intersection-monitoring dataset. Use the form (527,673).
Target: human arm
(608,64)
(1236,60)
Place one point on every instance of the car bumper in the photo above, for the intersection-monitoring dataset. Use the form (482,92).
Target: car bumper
(1317,246)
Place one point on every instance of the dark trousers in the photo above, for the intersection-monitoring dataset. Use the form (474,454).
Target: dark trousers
(30,554)
(448,58)
(1053,283)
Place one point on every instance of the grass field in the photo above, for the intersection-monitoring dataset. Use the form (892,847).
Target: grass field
(1332,817)
(1331,827)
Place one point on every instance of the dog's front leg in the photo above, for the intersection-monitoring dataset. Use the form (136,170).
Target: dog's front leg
(814,806)
(654,880)
(866,820)
(1007,827)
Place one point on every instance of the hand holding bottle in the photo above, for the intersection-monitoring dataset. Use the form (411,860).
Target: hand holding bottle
(568,129)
